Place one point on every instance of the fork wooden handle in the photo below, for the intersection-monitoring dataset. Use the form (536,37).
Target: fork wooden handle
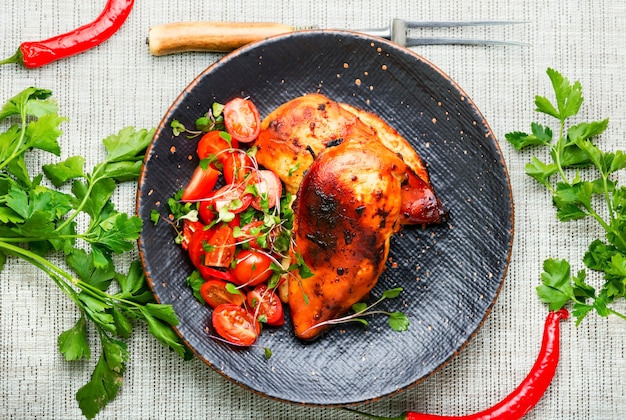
(179,37)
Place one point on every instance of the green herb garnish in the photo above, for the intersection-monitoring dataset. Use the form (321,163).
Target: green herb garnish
(582,182)
(398,321)
(38,220)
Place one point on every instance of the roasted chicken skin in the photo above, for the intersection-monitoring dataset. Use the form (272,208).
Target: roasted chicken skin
(296,132)
(357,181)
(346,210)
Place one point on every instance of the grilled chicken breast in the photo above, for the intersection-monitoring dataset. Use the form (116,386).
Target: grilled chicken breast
(357,181)
(296,132)
(347,208)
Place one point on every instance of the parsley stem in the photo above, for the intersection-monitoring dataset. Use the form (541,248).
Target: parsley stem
(58,275)
(64,281)
(105,297)
(41,238)
(18,150)
(622,316)
(91,182)
(34,258)
(598,218)
(607,197)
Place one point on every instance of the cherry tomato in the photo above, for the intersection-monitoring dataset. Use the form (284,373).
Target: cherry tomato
(236,221)
(189,229)
(269,188)
(251,232)
(252,267)
(195,247)
(209,273)
(213,142)
(206,211)
(237,165)
(219,248)
(201,184)
(214,293)
(263,301)
(242,119)
(236,325)
(233,198)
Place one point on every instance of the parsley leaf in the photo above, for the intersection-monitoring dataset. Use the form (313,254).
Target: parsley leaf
(73,343)
(595,195)
(37,220)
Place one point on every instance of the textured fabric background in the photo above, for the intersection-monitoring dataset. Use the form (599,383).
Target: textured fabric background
(120,84)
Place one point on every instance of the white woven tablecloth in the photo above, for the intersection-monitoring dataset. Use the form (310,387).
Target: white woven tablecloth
(120,84)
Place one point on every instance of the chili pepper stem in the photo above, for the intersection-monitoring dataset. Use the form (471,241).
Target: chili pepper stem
(17,58)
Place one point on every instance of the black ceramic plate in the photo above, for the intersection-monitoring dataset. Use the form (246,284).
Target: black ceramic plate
(451,274)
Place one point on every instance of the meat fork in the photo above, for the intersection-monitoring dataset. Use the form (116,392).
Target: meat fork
(208,36)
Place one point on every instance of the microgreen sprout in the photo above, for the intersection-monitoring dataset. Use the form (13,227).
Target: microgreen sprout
(211,120)
(397,320)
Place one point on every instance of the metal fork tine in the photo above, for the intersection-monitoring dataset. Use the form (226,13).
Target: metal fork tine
(413,42)
(413,24)
(398,32)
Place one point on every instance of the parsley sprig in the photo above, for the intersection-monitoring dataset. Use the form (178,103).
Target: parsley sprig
(39,220)
(582,181)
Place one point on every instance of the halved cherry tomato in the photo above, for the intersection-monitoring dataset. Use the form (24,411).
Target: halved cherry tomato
(209,273)
(195,247)
(252,267)
(235,222)
(201,184)
(242,119)
(206,211)
(250,233)
(219,248)
(237,165)
(234,199)
(214,293)
(189,229)
(269,188)
(214,142)
(236,325)
(263,301)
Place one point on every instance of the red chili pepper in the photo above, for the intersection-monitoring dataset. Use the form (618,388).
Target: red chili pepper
(526,395)
(39,53)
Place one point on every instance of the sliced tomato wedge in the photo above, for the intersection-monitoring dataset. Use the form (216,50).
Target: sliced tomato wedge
(252,267)
(215,142)
(269,188)
(219,248)
(237,165)
(235,199)
(264,303)
(214,293)
(235,325)
(242,119)
(201,184)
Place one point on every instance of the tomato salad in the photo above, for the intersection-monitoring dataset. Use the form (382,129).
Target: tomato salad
(235,224)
